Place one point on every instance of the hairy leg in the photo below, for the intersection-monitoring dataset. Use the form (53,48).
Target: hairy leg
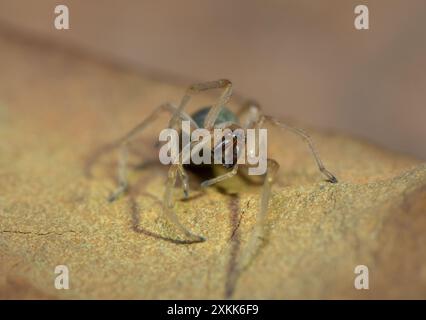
(222,177)
(168,203)
(211,117)
(204,86)
(330,177)
(259,228)
(255,119)
(249,114)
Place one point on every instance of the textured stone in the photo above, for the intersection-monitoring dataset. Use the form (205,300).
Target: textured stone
(57,109)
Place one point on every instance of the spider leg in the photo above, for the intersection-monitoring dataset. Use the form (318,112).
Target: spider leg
(258,232)
(199,87)
(249,114)
(256,119)
(330,177)
(222,177)
(223,100)
(123,144)
(121,173)
(168,203)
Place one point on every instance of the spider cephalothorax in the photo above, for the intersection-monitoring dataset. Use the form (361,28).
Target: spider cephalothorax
(228,144)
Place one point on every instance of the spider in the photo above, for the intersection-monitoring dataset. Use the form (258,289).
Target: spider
(210,118)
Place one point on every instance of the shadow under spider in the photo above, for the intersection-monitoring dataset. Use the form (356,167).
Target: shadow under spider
(134,191)
(232,272)
(138,229)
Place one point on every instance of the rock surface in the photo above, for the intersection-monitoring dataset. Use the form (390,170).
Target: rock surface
(57,109)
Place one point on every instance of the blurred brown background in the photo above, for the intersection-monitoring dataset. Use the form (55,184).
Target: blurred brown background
(300,59)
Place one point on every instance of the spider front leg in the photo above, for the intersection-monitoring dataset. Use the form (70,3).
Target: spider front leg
(222,177)
(168,203)
(330,177)
(255,119)
(223,84)
(122,173)
(259,229)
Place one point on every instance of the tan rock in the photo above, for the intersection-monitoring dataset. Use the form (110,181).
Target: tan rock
(57,109)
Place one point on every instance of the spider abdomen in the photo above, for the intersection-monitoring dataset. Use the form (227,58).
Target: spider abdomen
(225,115)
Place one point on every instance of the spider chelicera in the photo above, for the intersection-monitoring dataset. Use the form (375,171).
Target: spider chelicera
(210,118)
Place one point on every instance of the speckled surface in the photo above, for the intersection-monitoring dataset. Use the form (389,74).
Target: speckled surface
(58,109)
